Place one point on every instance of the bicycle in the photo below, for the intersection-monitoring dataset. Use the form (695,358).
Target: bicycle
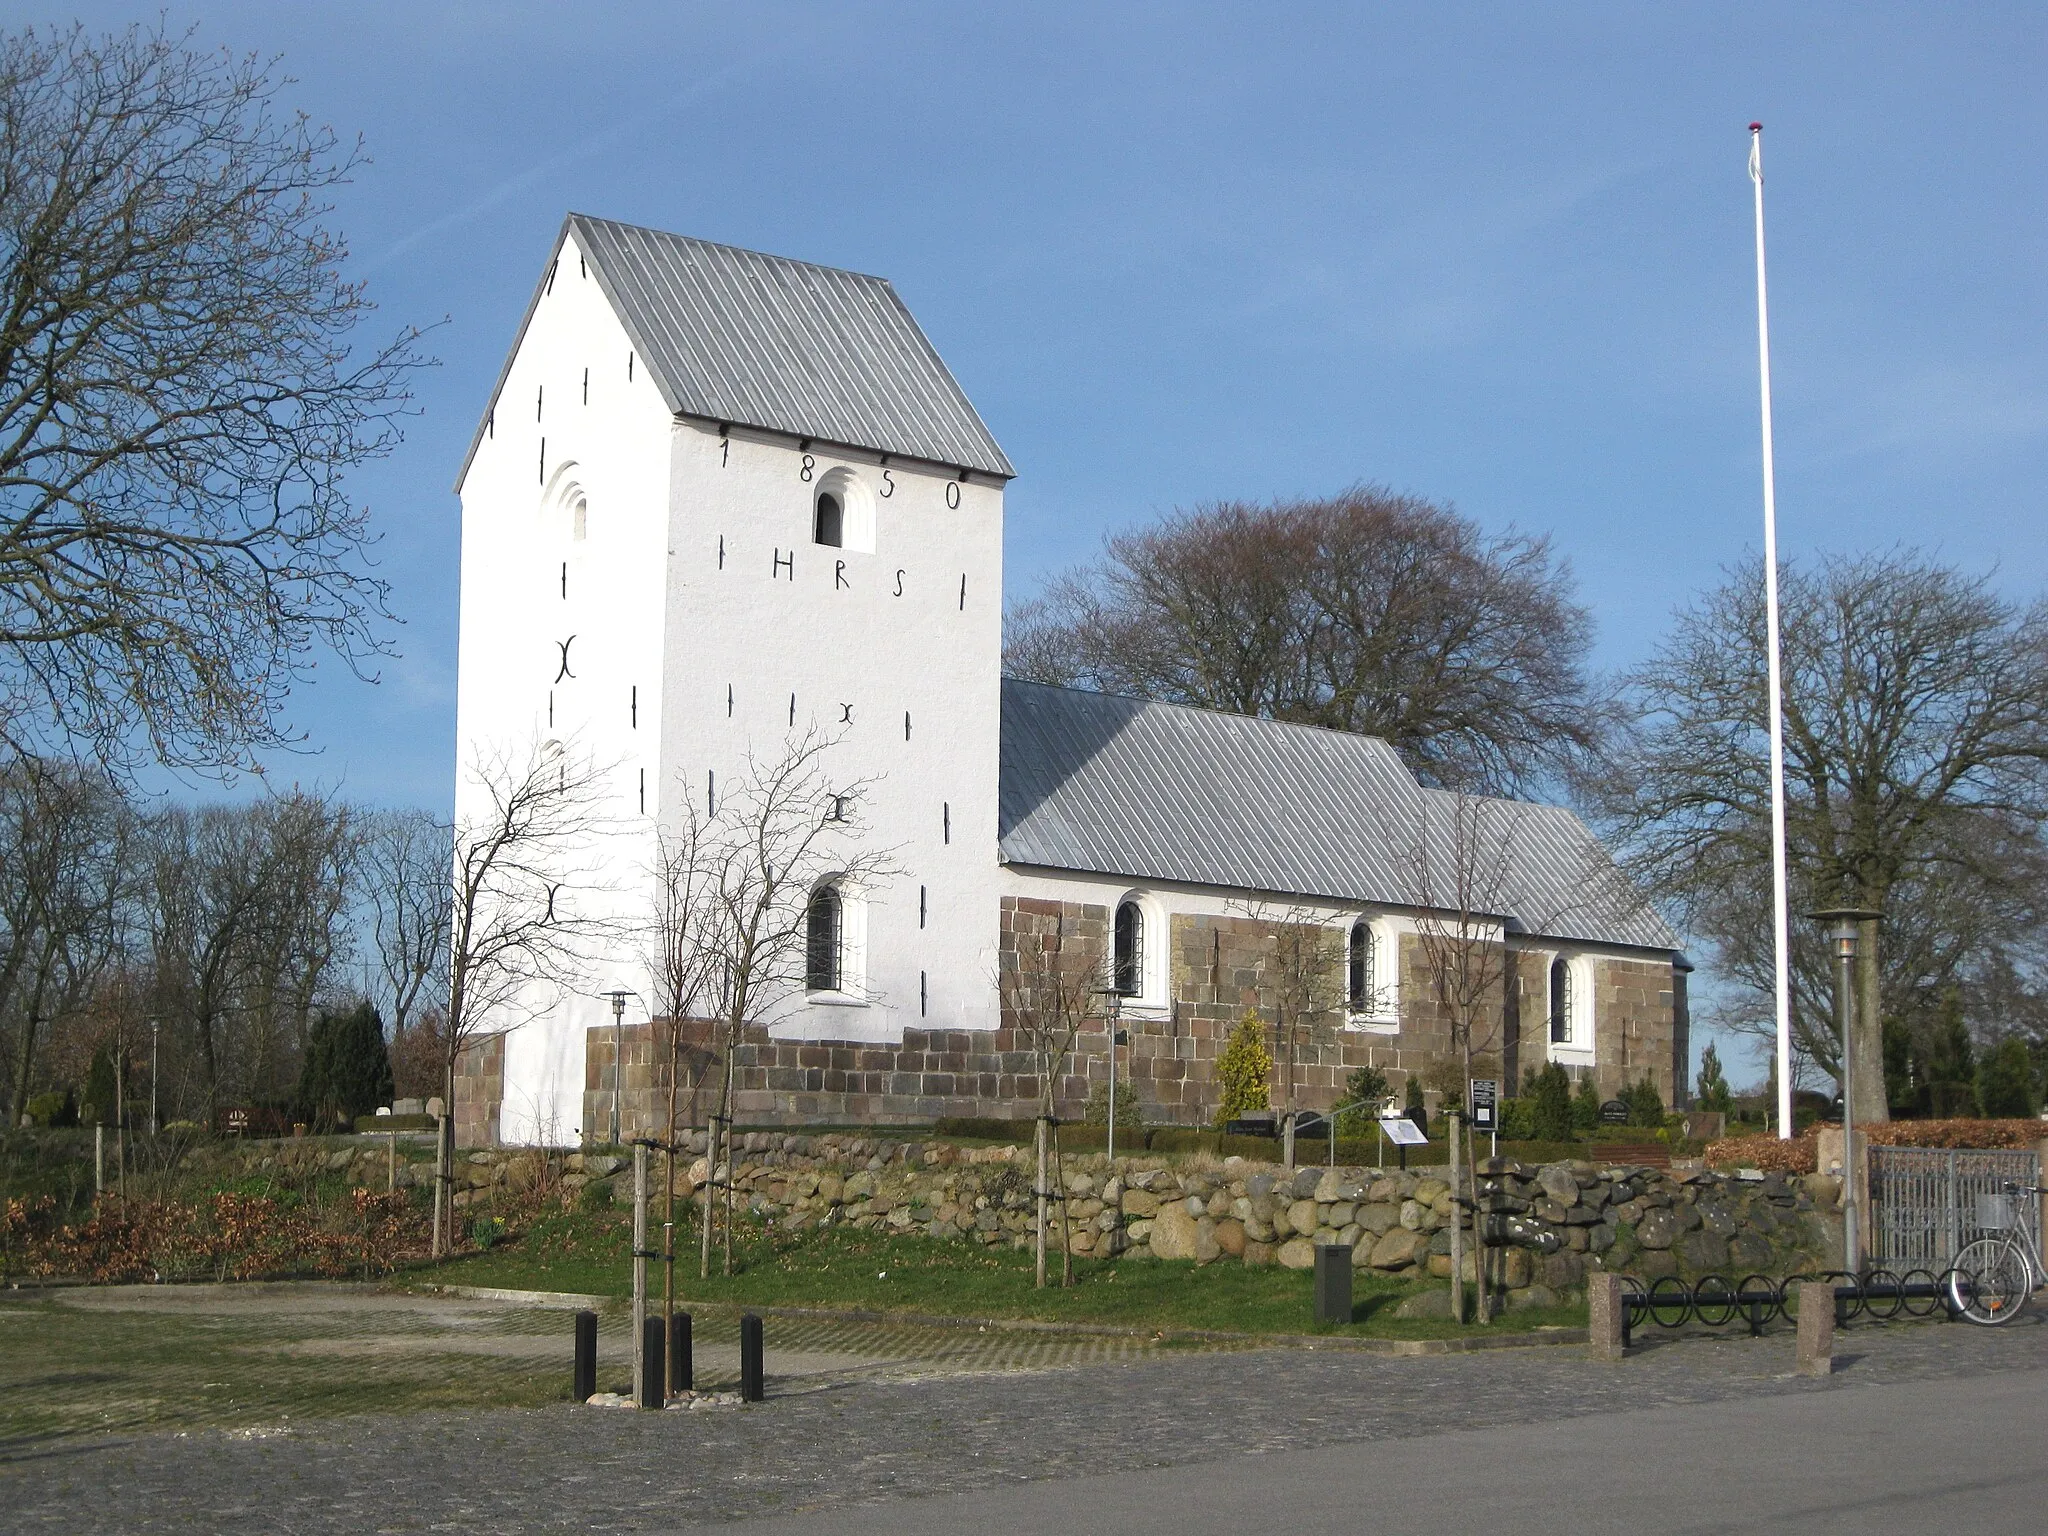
(1993,1278)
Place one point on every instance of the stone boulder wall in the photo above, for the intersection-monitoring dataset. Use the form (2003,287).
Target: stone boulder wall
(1563,1219)
(1548,1226)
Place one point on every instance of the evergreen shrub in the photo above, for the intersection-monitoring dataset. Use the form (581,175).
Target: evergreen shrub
(2005,1083)
(1244,1071)
(1549,1094)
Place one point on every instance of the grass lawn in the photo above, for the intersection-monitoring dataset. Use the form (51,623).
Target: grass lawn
(68,1369)
(590,1253)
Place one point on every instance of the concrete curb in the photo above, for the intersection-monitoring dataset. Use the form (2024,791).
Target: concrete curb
(568,1300)
(1537,1339)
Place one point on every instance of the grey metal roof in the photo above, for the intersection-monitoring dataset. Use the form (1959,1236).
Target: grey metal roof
(762,341)
(1146,791)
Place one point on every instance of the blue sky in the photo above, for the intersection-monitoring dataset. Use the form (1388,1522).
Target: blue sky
(1494,255)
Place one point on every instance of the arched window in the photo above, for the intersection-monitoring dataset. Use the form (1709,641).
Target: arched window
(1362,957)
(828,524)
(1560,1001)
(580,520)
(1129,979)
(822,945)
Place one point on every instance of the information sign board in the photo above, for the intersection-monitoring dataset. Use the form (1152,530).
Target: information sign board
(1403,1132)
(1485,1104)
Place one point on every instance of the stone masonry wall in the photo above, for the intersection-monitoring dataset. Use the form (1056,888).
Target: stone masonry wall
(479,1091)
(1634,1005)
(1221,968)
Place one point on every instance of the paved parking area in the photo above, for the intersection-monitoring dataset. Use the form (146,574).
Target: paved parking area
(258,1358)
(893,1425)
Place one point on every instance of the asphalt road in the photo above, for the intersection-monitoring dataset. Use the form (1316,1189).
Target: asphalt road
(1950,1456)
(1928,1426)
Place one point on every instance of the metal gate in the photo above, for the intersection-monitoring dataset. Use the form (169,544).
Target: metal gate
(1923,1201)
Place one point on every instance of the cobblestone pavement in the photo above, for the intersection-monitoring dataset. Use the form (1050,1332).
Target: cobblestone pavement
(575,1469)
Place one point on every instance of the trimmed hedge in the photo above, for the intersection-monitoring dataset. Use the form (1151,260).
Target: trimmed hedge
(1801,1154)
(983,1128)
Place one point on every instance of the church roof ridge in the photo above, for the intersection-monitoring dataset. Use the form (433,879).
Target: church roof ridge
(751,339)
(574,218)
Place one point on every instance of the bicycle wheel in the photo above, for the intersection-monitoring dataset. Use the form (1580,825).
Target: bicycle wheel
(1989,1283)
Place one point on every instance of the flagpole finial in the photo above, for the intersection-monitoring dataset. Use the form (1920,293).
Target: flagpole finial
(1756,127)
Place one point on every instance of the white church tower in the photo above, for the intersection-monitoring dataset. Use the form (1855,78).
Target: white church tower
(720,498)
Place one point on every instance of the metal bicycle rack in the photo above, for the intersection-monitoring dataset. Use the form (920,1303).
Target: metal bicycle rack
(1758,1300)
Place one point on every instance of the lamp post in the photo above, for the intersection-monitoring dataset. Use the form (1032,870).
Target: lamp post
(1844,924)
(154,1123)
(618,996)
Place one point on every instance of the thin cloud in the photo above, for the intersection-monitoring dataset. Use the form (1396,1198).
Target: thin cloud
(510,188)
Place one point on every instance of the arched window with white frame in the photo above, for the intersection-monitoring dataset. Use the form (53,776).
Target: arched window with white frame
(843,510)
(1371,981)
(1128,973)
(1361,967)
(835,944)
(824,940)
(1571,1004)
(1137,959)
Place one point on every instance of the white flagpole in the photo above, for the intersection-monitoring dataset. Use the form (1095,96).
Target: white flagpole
(1781,913)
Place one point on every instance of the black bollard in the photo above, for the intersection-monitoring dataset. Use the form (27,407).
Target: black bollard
(585,1384)
(1333,1283)
(651,1393)
(682,1363)
(751,1387)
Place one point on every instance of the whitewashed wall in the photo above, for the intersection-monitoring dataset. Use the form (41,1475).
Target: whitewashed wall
(577,414)
(907,622)
(860,640)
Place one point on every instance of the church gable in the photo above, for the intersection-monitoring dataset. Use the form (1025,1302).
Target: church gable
(737,338)
(748,339)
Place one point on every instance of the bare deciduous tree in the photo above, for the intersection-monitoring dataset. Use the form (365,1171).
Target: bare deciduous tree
(1461,862)
(1916,744)
(1051,985)
(66,872)
(244,914)
(179,401)
(784,831)
(302,935)
(521,922)
(1366,611)
(683,965)
(405,876)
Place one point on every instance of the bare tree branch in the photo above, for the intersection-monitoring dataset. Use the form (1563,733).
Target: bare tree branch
(405,880)
(522,922)
(1916,732)
(179,401)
